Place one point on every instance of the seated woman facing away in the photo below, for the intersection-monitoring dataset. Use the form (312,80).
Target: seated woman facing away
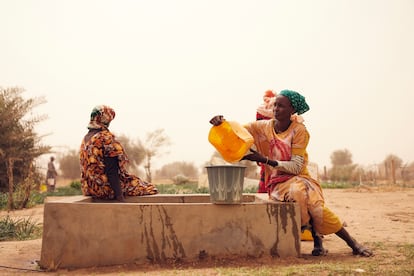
(103,160)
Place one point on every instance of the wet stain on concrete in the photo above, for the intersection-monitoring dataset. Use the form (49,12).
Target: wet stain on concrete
(159,236)
(287,214)
(170,235)
(291,210)
(273,215)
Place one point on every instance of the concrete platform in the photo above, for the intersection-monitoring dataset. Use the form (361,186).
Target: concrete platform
(80,233)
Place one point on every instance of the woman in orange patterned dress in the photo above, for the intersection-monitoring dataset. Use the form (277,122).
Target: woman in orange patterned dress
(281,145)
(103,161)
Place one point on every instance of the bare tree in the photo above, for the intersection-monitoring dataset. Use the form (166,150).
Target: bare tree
(341,158)
(134,150)
(342,167)
(154,143)
(407,172)
(69,164)
(178,168)
(392,163)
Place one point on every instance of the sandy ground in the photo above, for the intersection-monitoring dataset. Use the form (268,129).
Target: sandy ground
(371,215)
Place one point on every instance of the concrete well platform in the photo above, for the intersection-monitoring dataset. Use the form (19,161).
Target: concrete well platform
(80,233)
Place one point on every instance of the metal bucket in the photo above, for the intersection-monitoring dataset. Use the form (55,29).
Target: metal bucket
(226,183)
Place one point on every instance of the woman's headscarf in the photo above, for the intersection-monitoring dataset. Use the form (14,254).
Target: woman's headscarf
(297,101)
(269,94)
(265,109)
(101,116)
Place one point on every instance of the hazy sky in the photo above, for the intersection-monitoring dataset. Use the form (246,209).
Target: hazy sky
(174,64)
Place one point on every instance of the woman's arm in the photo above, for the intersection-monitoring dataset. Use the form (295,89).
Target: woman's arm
(294,166)
(112,172)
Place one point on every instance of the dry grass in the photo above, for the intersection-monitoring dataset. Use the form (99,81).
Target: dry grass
(390,259)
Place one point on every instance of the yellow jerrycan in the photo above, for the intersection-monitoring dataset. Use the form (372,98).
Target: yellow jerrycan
(231,140)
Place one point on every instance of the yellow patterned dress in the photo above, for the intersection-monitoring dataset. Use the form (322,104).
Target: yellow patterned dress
(285,186)
(94,181)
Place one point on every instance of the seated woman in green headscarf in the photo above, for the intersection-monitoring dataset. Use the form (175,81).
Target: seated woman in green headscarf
(103,162)
(281,145)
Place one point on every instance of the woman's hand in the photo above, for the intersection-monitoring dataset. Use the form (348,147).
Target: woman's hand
(254,156)
(217,120)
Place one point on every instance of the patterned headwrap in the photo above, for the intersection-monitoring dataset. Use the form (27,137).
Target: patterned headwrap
(101,116)
(269,93)
(296,100)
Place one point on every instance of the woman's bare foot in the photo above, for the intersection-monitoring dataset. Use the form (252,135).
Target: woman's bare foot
(319,251)
(362,251)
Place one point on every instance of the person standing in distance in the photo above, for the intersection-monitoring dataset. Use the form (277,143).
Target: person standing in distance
(51,175)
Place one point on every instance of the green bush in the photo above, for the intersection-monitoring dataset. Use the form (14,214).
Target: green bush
(408,251)
(202,190)
(185,188)
(35,198)
(18,229)
(180,179)
(250,190)
(3,201)
(71,190)
(75,185)
(190,188)
(336,185)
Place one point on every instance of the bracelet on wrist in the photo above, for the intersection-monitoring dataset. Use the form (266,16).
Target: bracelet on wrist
(272,163)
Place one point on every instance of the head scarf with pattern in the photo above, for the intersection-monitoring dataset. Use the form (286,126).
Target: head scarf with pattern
(101,116)
(296,100)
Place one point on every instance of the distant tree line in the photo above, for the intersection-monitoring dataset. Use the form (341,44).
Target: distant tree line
(20,146)
(390,171)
